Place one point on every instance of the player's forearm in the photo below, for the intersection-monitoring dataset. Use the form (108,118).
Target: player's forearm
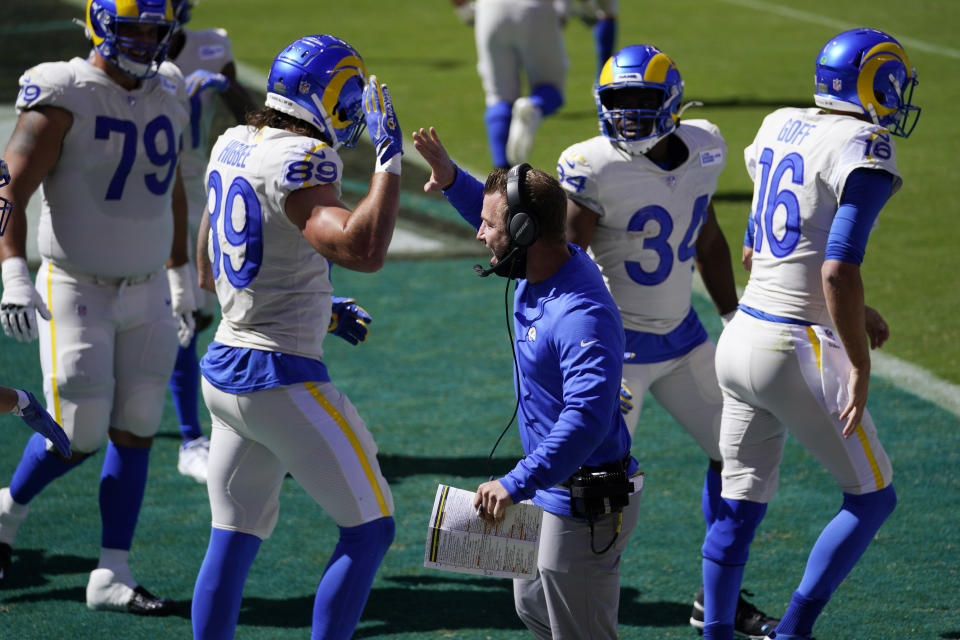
(843,290)
(370,226)
(13,243)
(717,274)
(179,251)
(8,399)
(204,269)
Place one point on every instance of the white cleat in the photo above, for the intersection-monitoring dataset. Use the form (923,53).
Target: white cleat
(109,591)
(524,120)
(194,455)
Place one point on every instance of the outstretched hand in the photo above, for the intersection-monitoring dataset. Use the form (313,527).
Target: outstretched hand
(442,170)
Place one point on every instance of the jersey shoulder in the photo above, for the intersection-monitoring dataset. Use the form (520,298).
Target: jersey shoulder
(706,145)
(589,156)
(50,83)
(702,131)
(292,161)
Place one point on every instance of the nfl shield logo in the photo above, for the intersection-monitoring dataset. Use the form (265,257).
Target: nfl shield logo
(131,100)
(837,84)
(671,181)
(304,87)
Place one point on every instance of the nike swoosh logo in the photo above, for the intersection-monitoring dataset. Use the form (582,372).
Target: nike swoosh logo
(585,343)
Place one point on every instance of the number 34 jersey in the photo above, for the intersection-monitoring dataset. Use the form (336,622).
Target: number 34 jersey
(274,288)
(650,218)
(799,162)
(106,204)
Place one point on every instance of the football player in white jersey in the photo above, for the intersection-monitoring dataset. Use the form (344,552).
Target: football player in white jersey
(205,58)
(275,220)
(514,36)
(639,201)
(100,137)
(796,356)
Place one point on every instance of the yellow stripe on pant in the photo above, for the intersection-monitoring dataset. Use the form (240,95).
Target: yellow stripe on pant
(861,435)
(53,348)
(354,442)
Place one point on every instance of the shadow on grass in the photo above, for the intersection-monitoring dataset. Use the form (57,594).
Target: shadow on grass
(432,603)
(29,568)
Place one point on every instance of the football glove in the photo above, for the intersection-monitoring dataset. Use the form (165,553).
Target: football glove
(626,398)
(382,126)
(21,302)
(197,83)
(349,320)
(42,422)
(182,302)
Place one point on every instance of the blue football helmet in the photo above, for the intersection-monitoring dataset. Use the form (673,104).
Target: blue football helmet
(638,97)
(319,79)
(6,207)
(867,71)
(107,21)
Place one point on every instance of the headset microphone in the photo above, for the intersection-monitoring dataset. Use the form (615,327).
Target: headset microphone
(502,265)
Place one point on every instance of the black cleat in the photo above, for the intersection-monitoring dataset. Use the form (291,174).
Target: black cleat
(748,622)
(6,552)
(144,603)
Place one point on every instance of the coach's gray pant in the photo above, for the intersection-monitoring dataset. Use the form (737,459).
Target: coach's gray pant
(576,593)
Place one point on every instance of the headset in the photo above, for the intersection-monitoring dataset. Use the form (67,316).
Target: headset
(522,227)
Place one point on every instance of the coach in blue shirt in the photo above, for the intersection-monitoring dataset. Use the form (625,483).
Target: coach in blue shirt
(569,344)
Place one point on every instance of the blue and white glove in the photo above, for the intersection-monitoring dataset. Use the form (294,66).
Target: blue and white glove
(626,398)
(197,83)
(349,320)
(382,126)
(40,421)
(21,302)
(182,302)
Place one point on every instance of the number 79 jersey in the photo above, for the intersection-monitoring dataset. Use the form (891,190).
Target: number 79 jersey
(274,288)
(799,162)
(650,218)
(105,206)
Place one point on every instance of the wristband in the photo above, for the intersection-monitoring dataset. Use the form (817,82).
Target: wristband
(22,401)
(390,166)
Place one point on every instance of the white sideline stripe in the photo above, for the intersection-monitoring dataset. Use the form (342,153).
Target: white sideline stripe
(910,43)
(903,374)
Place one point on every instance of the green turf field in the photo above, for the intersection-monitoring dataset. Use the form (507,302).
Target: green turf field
(433,380)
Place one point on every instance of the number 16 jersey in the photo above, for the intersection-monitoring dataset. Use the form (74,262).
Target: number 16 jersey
(274,288)
(799,162)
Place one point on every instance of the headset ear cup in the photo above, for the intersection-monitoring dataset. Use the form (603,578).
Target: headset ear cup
(523,229)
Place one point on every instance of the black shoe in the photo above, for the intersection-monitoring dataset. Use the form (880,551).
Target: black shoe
(144,603)
(748,622)
(6,551)
(696,616)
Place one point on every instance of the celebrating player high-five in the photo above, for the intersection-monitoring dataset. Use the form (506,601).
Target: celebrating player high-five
(275,224)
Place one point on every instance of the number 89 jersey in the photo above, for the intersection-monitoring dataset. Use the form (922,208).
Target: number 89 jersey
(274,288)
(106,204)
(799,162)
